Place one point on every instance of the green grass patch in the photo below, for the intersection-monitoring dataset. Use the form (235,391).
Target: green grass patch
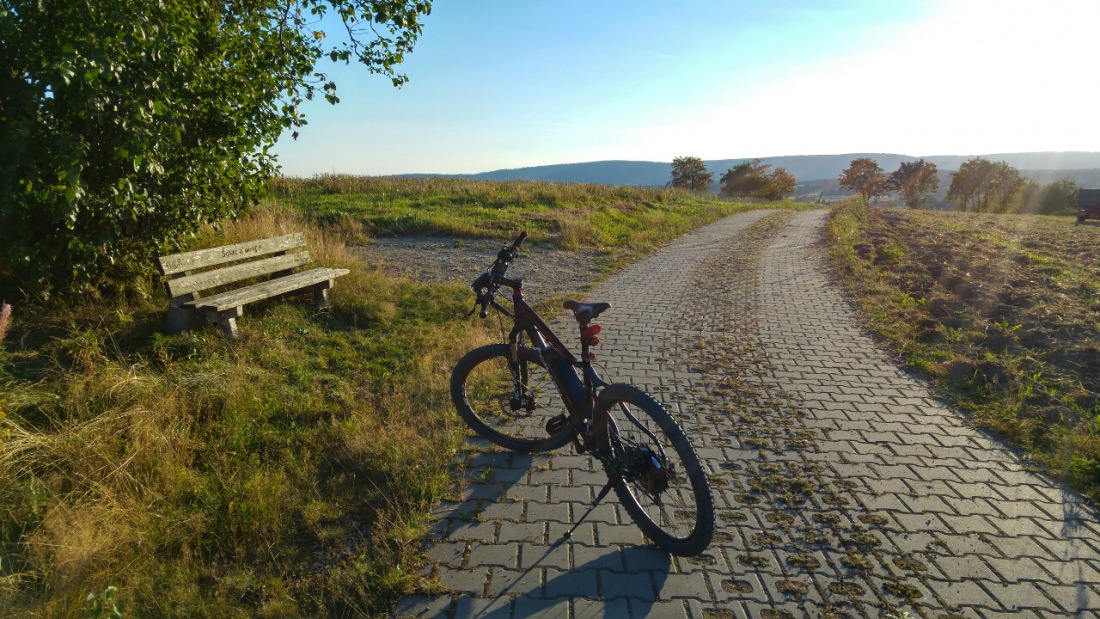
(569,215)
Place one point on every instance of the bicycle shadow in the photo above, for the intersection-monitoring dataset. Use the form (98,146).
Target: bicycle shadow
(599,588)
(484,476)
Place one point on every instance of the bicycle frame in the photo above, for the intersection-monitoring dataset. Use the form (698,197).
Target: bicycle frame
(579,393)
(618,424)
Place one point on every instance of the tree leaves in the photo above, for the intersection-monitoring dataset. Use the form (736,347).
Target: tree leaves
(865,177)
(120,140)
(752,179)
(986,187)
(690,173)
(914,181)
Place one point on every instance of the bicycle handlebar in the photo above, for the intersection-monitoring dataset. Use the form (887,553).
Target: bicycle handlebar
(495,276)
(508,254)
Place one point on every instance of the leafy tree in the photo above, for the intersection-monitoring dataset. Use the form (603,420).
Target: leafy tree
(969,182)
(1058,198)
(914,180)
(690,173)
(752,179)
(865,177)
(128,123)
(783,183)
(984,186)
(746,179)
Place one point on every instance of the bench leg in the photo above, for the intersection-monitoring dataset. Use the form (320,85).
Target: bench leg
(320,294)
(229,326)
(181,318)
(227,320)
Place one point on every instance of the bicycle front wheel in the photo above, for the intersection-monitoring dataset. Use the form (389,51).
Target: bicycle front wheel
(664,487)
(513,404)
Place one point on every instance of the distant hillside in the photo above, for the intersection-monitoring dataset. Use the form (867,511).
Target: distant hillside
(806,168)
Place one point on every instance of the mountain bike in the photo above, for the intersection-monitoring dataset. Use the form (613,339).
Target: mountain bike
(531,394)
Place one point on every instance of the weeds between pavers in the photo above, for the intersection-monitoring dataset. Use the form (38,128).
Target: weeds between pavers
(807,505)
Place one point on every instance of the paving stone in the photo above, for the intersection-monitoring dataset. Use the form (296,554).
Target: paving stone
(549,512)
(470,580)
(532,532)
(539,608)
(1076,571)
(1019,596)
(969,566)
(420,606)
(627,585)
(670,609)
(565,583)
(597,558)
(1017,547)
(474,531)
(504,510)
(483,608)
(646,559)
(584,534)
(512,582)
(1072,598)
(503,555)
(572,494)
(448,553)
(961,593)
(604,609)
(556,556)
(673,586)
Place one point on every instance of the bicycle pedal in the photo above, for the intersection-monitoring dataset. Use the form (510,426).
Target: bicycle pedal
(578,445)
(556,424)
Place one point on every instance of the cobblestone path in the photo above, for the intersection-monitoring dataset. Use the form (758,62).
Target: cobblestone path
(843,488)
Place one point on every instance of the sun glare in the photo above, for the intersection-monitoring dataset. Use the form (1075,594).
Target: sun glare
(978,77)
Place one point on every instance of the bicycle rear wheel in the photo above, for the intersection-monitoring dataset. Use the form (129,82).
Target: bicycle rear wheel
(664,487)
(515,405)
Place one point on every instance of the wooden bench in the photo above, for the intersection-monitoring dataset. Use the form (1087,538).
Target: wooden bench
(199,281)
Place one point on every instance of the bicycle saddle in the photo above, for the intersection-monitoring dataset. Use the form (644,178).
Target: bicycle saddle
(586,311)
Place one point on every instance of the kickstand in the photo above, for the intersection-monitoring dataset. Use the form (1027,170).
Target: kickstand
(599,497)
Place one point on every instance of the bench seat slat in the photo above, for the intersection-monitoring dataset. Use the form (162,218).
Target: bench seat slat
(264,290)
(235,273)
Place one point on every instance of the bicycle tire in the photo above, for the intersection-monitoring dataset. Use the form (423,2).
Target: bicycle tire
(482,387)
(688,529)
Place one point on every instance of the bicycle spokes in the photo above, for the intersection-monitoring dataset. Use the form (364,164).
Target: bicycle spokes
(644,465)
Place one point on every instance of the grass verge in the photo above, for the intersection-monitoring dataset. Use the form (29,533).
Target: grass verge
(633,219)
(999,311)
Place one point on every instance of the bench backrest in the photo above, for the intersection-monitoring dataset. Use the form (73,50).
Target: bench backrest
(188,276)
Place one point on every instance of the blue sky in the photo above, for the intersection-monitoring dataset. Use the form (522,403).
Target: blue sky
(515,83)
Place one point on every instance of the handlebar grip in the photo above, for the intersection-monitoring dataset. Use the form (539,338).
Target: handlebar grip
(519,240)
